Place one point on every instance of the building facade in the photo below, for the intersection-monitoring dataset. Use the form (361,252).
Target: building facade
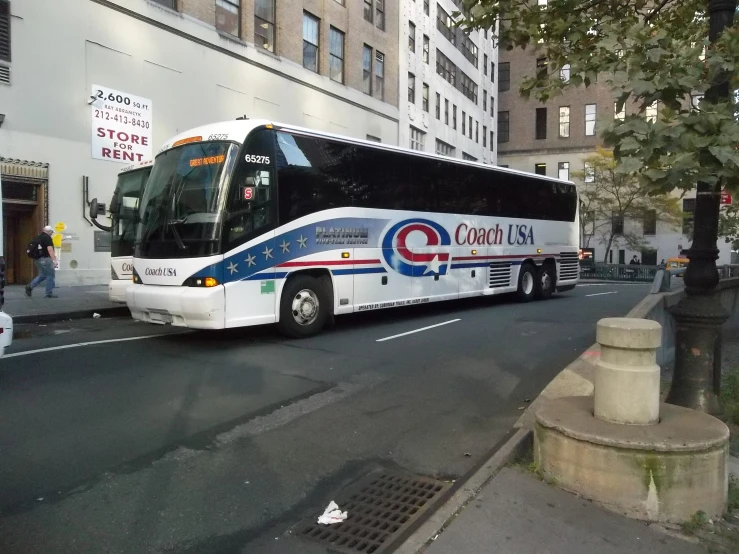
(119,77)
(447,83)
(554,138)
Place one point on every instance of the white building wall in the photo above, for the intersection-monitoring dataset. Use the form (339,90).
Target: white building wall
(61,48)
(412,114)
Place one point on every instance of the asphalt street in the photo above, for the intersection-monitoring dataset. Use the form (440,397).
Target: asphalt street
(118,436)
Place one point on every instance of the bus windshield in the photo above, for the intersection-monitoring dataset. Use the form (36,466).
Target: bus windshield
(127,193)
(180,214)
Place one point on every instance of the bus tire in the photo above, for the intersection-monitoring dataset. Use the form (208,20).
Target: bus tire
(526,282)
(545,281)
(304,306)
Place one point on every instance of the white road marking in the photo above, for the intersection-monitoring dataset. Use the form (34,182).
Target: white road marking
(79,344)
(614,284)
(602,293)
(418,330)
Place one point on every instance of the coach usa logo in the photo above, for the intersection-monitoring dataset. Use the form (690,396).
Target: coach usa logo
(413,248)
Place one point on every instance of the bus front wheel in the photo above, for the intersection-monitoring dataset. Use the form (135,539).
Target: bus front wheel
(304,306)
(527,282)
(547,276)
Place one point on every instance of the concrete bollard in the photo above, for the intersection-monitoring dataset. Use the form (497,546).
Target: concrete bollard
(627,378)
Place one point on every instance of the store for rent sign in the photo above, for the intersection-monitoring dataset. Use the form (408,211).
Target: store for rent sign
(121,126)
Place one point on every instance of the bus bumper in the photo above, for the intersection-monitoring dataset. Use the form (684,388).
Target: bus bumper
(193,307)
(117,290)
(6,332)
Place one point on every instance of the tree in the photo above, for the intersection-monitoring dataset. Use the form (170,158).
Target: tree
(728,225)
(612,200)
(648,52)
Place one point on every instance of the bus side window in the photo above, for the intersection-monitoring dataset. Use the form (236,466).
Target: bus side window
(249,207)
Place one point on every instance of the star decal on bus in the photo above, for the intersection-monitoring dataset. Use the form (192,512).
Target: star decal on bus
(302,242)
(267,253)
(285,246)
(233,268)
(250,260)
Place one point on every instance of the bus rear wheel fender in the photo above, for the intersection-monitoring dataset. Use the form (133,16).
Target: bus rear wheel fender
(305,304)
(527,281)
(546,279)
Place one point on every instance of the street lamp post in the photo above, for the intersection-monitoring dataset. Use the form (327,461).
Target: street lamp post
(699,316)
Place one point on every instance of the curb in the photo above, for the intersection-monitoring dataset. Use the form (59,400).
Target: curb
(115,311)
(512,449)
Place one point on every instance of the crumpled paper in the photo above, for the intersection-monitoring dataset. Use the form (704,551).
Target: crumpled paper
(332,514)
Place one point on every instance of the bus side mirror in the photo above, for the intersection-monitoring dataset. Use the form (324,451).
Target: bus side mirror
(96,208)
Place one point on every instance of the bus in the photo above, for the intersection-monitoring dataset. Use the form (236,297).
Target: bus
(253,222)
(123,212)
(6,321)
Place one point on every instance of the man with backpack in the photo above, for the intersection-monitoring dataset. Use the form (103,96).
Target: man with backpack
(41,251)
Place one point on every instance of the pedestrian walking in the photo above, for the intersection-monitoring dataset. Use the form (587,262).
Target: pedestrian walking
(41,251)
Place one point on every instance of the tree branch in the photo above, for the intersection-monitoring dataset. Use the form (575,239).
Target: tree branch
(656,10)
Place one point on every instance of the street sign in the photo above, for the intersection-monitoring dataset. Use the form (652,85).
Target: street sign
(725,197)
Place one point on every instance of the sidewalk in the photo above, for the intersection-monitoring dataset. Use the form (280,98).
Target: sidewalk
(73,303)
(515,513)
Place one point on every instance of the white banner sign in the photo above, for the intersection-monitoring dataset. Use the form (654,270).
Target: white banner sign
(121,126)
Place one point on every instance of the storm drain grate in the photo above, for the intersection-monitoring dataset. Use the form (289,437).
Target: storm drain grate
(379,508)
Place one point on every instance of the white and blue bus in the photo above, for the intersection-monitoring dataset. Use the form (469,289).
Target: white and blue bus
(251,222)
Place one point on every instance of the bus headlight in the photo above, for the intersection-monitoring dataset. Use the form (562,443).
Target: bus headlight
(200,282)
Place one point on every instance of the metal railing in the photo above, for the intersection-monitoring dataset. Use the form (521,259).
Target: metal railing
(666,280)
(619,272)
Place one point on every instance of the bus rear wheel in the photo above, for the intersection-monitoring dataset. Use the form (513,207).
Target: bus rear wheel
(545,281)
(304,306)
(526,282)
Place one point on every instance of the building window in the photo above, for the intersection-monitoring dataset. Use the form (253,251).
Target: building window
(444,24)
(227,17)
(590,114)
(492,72)
(426,7)
(485,64)
(464,123)
(171,4)
(485,101)
(411,88)
(540,169)
(426,46)
(650,222)
(469,50)
(373,139)
(438,106)
(470,127)
(417,139)
(466,156)
(425,98)
(264,24)
(454,117)
(477,132)
(468,87)
(564,73)
(367,70)
(563,171)
(652,111)
(411,37)
(541,67)
(446,111)
(589,172)
(484,136)
(310,41)
(380,75)
(617,226)
(368,10)
(649,256)
(337,55)
(503,126)
(5,30)
(504,76)
(380,14)
(541,123)
(620,115)
(492,106)
(444,149)
(688,215)
(492,139)
(445,68)
(564,121)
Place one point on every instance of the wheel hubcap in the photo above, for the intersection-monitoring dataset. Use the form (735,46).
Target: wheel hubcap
(528,283)
(546,281)
(305,307)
